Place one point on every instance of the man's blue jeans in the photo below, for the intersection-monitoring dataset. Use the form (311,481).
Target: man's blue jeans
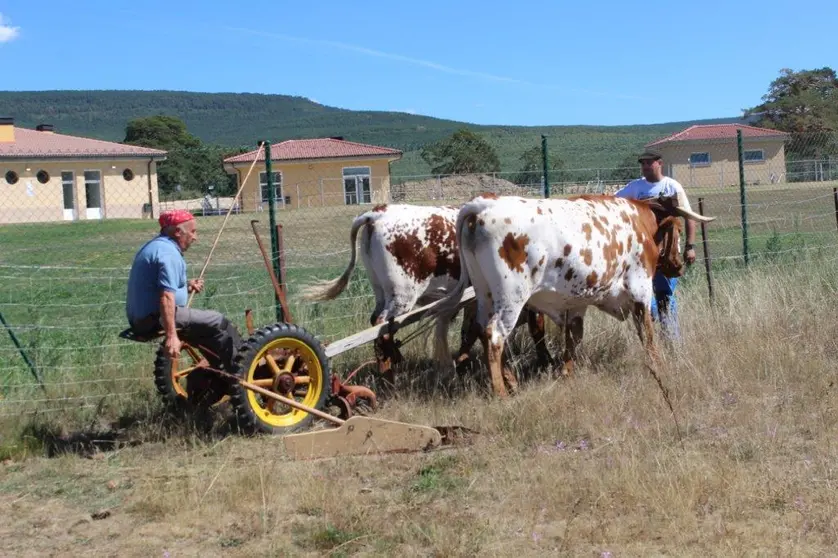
(664,305)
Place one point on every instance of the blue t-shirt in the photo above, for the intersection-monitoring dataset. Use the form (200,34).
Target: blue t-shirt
(158,266)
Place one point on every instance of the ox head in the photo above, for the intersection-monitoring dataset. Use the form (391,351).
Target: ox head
(668,235)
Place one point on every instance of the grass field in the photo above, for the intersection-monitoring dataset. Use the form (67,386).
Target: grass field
(589,466)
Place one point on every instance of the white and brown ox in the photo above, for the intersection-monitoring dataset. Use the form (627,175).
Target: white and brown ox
(559,257)
(411,258)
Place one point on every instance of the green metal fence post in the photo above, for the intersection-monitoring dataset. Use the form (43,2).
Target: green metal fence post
(742,199)
(272,219)
(28,362)
(545,166)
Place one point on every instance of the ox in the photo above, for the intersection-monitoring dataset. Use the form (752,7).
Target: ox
(559,257)
(411,257)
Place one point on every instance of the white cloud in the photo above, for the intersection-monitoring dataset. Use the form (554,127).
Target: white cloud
(7,32)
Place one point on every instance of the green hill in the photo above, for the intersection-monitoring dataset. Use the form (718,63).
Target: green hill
(239,119)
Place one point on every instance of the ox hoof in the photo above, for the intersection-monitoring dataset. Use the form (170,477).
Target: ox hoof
(564,371)
(465,365)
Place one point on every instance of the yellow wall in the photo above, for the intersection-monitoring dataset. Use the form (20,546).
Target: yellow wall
(30,201)
(313,183)
(723,169)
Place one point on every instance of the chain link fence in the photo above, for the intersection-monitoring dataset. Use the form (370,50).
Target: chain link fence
(68,237)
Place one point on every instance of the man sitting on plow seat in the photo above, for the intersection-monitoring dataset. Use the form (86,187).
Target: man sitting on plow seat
(158,296)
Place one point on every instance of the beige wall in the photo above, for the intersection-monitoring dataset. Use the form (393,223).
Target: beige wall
(30,201)
(723,169)
(313,183)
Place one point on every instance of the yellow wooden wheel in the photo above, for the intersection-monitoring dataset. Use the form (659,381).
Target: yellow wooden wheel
(286,359)
(185,381)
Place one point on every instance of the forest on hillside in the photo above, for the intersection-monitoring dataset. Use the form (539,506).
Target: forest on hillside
(234,121)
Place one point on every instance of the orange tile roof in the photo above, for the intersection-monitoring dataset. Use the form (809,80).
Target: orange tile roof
(719,131)
(322,148)
(34,144)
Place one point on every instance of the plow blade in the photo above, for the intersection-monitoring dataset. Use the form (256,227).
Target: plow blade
(361,435)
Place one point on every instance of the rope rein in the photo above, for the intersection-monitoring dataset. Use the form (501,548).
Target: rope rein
(229,211)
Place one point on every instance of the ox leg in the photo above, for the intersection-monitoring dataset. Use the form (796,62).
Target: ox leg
(469,332)
(573,332)
(535,323)
(379,345)
(386,347)
(387,355)
(498,329)
(493,351)
(646,331)
(380,300)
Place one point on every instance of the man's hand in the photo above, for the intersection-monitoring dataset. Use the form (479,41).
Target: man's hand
(173,345)
(195,285)
(689,255)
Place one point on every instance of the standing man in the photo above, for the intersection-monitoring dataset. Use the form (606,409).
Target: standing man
(654,185)
(158,294)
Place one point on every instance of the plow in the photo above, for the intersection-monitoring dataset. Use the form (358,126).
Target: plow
(282,381)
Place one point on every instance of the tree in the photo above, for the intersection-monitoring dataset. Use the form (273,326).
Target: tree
(160,132)
(532,167)
(802,101)
(805,104)
(189,163)
(464,152)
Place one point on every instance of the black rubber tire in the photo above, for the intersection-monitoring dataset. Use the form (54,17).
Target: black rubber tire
(203,389)
(250,419)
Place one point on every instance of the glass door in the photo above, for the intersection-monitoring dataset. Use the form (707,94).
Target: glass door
(68,180)
(93,194)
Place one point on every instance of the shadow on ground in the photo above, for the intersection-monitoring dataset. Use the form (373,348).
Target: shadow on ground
(133,429)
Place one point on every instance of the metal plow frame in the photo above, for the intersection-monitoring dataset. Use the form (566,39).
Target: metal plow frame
(360,435)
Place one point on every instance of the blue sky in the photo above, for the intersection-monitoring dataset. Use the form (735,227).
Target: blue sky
(488,62)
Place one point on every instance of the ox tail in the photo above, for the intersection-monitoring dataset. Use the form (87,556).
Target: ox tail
(446,308)
(328,290)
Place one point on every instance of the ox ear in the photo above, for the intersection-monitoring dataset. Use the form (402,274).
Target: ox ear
(655,204)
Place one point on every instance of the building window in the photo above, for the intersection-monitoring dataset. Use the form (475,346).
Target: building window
(699,159)
(42,176)
(92,189)
(753,155)
(68,191)
(11,177)
(356,185)
(128,175)
(263,186)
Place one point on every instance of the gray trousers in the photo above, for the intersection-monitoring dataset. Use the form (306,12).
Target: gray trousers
(207,328)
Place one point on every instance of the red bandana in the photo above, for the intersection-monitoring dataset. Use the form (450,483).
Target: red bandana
(174,217)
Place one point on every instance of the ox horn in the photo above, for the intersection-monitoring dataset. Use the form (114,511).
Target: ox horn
(690,214)
(684,210)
